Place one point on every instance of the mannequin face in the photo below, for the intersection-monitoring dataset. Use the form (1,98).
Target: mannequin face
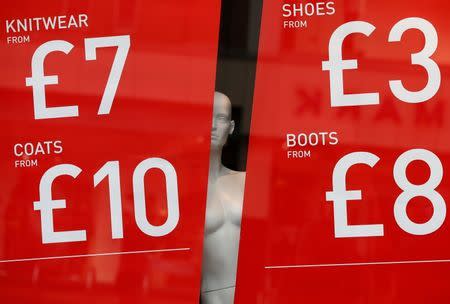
(222,125)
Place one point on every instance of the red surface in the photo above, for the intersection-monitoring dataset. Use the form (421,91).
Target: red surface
(162,109)
(287,220)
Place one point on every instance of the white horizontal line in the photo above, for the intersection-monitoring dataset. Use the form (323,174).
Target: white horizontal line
(93,255)
(357,264)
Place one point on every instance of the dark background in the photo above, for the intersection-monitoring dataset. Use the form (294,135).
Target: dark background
(236,66)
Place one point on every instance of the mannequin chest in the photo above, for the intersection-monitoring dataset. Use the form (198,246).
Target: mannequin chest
(224,205)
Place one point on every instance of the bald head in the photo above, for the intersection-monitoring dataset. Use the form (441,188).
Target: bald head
(222,126)
(222,104)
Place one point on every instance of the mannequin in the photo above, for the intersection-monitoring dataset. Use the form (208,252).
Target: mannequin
(223,213)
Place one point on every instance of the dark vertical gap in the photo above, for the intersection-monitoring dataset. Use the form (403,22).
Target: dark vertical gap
(235,75)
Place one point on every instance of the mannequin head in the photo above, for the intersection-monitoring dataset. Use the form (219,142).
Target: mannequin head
(222,125)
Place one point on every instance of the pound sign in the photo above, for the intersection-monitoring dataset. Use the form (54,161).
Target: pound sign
(38,81)
(47,204)
(340,195)
(336,65)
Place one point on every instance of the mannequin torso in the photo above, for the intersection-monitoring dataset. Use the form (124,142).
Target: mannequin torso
(221,242)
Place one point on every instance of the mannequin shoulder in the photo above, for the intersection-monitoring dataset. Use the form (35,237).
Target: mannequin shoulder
(233,179)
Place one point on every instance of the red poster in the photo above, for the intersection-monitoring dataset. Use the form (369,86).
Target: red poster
(347,177)
(106,118)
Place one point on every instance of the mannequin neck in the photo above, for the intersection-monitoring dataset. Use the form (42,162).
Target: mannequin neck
(216,169)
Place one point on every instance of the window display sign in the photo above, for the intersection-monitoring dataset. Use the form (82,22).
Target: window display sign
(106,118)
(348,172)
